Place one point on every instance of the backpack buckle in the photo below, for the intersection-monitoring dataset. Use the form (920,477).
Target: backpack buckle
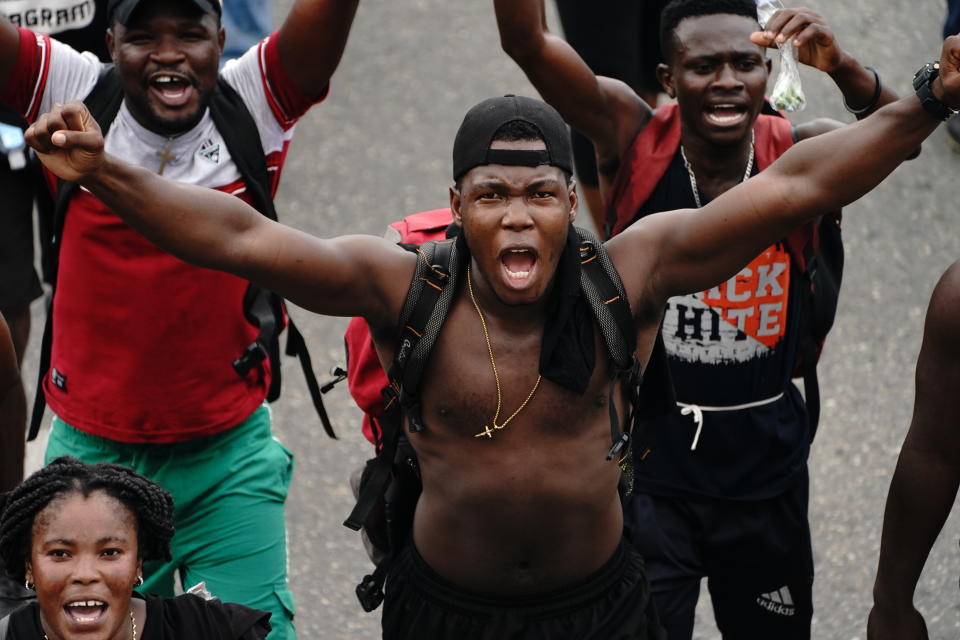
(411,408)
(369,593)
(588,251)
(254,354)
(621,442)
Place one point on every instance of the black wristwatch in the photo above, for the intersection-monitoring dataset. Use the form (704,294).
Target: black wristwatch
(922,84)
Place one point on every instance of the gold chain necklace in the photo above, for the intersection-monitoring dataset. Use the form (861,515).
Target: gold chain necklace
(487,431)
(133,621)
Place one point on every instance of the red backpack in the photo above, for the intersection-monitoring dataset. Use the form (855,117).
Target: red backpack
(365,376)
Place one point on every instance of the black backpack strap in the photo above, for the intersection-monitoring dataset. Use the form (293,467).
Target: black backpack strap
(603,289)
(4,627)
(263,308)
(424,312)
(103,102)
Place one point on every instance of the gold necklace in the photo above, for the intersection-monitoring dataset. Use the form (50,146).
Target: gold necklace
(133,621)
(487,431)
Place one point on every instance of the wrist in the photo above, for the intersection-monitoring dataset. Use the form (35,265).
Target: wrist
(892,600)
(845,69)
(936,88)
(931,91)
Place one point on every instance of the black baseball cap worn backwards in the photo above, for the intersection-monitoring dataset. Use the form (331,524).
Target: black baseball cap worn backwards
(471,147)
(121,10)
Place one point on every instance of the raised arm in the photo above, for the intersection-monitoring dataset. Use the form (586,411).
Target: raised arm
(692,250)
(311,42)
(605,110)
(925,482)
(9,48)
(347,276)
(816,46)
(13,413)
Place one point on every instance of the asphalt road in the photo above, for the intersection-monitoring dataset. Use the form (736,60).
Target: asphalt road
(379,148)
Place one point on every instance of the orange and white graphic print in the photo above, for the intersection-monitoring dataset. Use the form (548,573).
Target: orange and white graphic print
(740,320)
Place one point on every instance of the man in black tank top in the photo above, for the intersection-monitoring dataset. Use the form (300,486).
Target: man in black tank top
(723,493)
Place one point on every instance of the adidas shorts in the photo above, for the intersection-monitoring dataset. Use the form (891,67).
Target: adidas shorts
(756,556)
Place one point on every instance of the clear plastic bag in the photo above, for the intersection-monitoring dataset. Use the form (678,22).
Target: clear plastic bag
(787,91)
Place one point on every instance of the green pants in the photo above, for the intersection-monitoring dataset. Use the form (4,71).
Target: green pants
(228,491)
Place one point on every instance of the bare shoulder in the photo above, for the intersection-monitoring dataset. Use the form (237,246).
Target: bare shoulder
(634,254)
(392,268)
(943,314)
(629,114)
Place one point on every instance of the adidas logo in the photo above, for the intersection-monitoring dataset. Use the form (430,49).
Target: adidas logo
(779,602)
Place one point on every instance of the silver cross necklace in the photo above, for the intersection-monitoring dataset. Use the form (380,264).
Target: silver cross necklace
(693,178)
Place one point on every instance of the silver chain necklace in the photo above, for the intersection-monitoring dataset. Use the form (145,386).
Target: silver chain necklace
(693,178)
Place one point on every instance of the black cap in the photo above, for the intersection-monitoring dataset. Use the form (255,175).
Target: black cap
(471,147)
(121,10)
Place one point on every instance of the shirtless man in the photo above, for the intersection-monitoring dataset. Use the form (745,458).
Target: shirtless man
(520,534)
(924,485)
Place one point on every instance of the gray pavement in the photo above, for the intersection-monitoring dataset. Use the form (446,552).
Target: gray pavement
(379,148)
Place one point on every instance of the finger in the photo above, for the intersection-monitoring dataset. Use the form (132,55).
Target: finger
(795,25)
(814,33)
(90,141)
(74,116)
(778,19)
(38,135)
(33,138)
(53,120)
(763,39)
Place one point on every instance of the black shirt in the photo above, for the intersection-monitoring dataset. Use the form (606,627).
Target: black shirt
(731,345)
(185,617)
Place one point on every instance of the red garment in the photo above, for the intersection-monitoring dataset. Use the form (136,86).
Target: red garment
(656,145)
(143,343)
(365,376)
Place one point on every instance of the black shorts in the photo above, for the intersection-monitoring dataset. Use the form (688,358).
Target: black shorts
(19,284)
(612,604)
(618,39)
(755,554)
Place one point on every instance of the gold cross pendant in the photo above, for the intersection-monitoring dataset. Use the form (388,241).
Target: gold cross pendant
(165,157)
(487,431)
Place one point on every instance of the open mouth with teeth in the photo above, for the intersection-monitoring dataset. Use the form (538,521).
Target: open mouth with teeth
(518,264)
(173,90)
(726,115)
(86,612)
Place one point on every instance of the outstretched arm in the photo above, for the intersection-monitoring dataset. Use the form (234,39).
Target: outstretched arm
(311,42)
(13,413)
(817,46)
(692,250)
(605,110)
(925,482)
(347,276)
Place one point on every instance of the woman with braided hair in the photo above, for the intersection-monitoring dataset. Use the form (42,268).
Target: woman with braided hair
(78,535)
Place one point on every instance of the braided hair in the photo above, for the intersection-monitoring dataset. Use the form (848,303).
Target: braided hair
(150,505)
(678,10)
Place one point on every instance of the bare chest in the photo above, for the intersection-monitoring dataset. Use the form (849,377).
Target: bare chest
(475,390)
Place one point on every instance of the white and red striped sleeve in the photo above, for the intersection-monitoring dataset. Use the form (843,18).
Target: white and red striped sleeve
(47,72)
(259,77)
